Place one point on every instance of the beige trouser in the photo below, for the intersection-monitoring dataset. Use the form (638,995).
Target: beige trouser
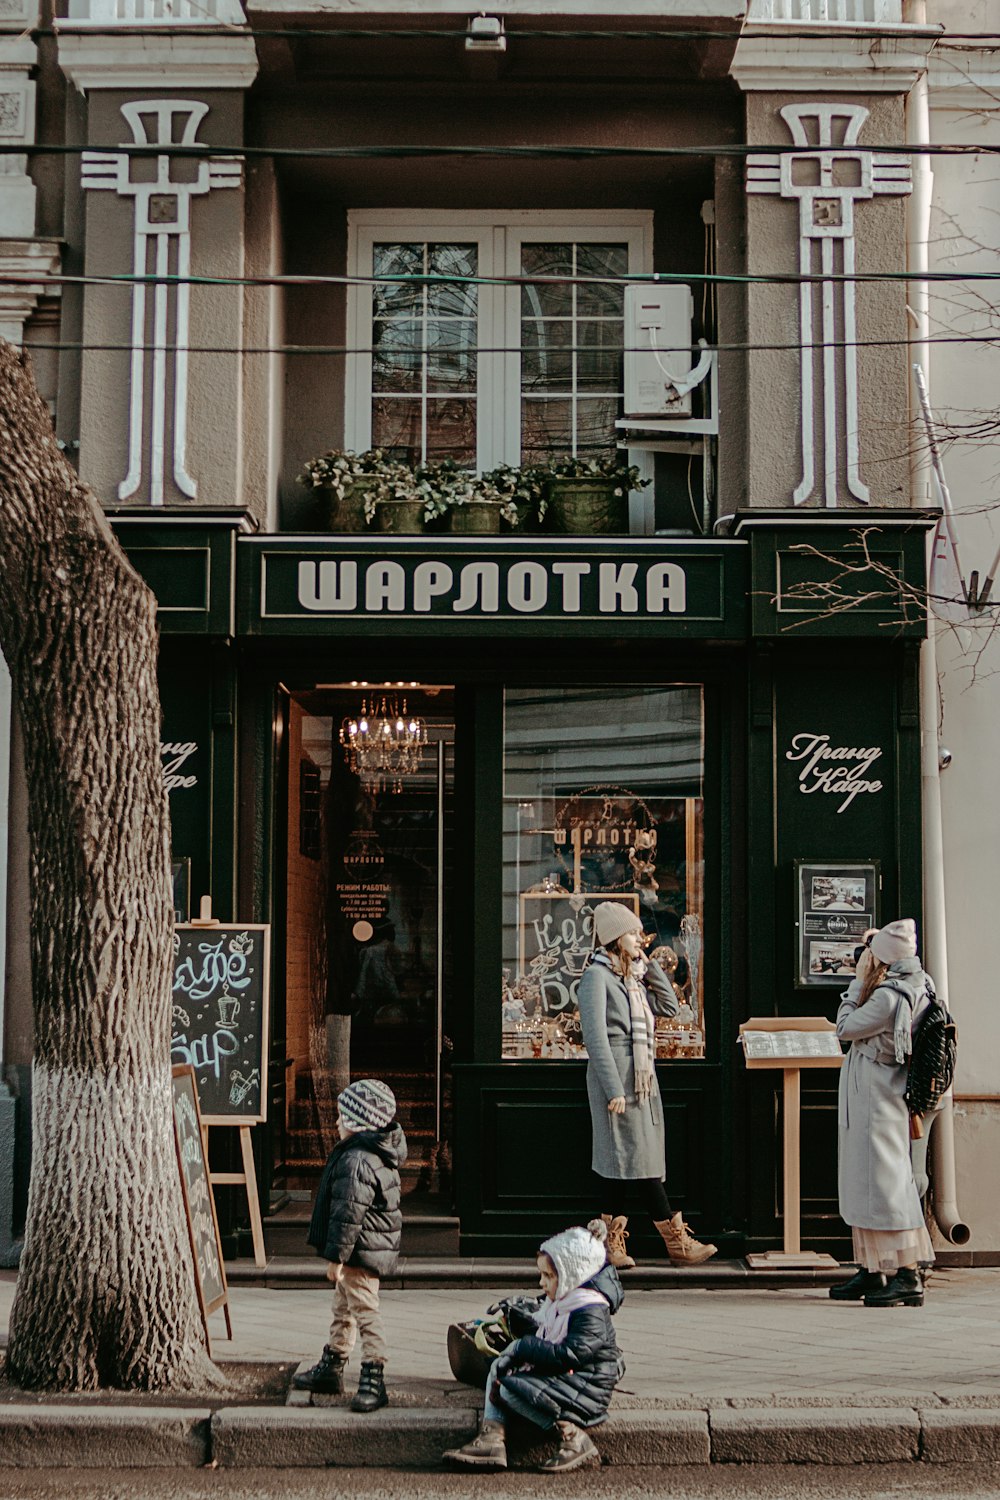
(355,1309)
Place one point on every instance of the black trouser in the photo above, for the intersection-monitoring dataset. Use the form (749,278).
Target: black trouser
(617,1193)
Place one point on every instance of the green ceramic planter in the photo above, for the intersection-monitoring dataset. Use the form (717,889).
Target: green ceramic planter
(477,518)
(586,507)
(400,517)
(348,514)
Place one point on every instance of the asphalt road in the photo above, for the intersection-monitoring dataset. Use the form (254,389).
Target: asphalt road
(871,1482)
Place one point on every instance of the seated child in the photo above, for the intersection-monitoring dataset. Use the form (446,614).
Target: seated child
(563,1371)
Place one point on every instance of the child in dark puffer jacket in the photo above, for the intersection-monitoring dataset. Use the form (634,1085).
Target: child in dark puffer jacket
(563,1372)
(356,1224)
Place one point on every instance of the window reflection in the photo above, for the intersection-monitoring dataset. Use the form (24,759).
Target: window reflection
(603,802)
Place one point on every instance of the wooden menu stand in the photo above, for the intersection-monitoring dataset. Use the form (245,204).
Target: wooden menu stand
(794,1055)
(248,1177)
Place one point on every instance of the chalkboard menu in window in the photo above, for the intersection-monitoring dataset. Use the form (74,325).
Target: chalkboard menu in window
(557,939)
(220,1026)
(209,1271)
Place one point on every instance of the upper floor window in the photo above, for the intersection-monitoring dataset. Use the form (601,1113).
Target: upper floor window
(489,339)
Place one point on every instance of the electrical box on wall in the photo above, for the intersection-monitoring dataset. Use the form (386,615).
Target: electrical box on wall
(658,359)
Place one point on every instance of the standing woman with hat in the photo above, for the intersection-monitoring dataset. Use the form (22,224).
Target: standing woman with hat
(878,1196)
(620,990)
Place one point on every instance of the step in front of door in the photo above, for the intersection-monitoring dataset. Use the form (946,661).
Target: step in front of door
(423,1234)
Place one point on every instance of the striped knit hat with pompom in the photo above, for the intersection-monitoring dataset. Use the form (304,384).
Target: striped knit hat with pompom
(367,1104)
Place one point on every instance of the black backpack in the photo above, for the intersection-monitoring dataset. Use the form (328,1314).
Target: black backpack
(932,1062)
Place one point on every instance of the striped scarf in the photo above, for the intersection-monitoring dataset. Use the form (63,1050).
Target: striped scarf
(643,1031)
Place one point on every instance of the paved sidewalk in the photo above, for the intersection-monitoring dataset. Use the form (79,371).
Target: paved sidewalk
(787,1347)
(762,1376)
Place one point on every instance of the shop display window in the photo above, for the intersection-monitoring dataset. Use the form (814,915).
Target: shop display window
(603,801)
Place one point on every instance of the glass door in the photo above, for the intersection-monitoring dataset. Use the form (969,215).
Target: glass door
(369,857)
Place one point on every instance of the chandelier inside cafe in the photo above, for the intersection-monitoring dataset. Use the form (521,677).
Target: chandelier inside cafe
(383,743)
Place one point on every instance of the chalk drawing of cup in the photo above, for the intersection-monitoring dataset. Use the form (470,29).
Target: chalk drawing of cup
(229,1009)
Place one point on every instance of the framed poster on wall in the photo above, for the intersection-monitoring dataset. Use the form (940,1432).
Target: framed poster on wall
(837,903)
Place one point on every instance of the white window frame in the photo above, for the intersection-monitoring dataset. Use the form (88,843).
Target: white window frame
(500,237)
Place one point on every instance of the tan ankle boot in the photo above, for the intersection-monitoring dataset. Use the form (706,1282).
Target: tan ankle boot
(682,1247)
(617,1235)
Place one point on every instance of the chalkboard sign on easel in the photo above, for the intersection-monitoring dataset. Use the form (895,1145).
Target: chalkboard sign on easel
(220,1024)
(199,1205)
(220,1030)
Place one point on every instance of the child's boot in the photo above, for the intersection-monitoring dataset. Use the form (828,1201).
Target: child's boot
(371,1388)
(575,1448)
(682,1247)
(326,1377)
(488,1449)
(617,1235)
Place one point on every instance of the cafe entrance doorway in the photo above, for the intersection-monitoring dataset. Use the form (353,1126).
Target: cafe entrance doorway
(369,865)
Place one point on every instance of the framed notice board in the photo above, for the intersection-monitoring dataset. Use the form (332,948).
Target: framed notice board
(220,1017)
(837,902)
(199,1204)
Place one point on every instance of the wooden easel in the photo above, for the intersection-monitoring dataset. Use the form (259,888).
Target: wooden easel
(248,1177)
(791,1066)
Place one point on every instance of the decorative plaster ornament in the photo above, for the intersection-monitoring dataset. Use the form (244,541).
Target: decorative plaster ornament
(829,179)
(161,248)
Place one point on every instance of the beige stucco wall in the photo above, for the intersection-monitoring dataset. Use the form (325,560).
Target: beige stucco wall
(774,379)
(215,392)
(964,379)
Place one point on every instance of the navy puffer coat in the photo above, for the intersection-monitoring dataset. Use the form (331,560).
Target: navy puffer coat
(572,1381)
(356,1218)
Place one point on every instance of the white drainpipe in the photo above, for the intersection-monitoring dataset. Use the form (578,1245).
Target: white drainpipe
(935,935)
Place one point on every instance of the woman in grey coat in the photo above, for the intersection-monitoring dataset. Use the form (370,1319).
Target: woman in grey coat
(878,1197)
(619,992)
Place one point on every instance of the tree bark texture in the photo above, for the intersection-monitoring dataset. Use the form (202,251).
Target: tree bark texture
(105,1295)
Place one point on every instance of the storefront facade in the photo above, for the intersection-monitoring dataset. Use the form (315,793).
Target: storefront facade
(669,724)
(711,716)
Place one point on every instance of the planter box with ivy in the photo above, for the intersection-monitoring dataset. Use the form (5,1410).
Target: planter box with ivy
(589,496)
(354,485)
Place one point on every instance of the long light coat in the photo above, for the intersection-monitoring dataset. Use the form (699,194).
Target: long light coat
(875,1177)
(631,1145)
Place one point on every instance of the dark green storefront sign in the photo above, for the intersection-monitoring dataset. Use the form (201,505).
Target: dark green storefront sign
(619,588)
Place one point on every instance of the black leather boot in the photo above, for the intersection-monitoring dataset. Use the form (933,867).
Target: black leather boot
(860,1284)
(371,1388)
(904,1290)
(326,1377)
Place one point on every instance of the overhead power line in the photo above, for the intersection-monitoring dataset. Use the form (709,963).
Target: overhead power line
(652,278)
(473,351)
(503,153)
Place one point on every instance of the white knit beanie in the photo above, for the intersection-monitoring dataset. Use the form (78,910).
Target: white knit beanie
(896,940)
(367,1104)
(612,919)
(576,1255)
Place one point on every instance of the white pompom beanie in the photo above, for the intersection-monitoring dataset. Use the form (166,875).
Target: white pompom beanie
(577,1255)
(612,919)
(895,941)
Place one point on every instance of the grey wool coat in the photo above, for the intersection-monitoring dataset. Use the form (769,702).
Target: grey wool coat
(629,1145)
(875,1177)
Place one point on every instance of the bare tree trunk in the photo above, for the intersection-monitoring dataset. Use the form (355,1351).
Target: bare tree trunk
(105,1295)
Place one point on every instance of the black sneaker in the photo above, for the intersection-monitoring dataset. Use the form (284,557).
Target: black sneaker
(860,1285)
(371,1388)
(326,1377)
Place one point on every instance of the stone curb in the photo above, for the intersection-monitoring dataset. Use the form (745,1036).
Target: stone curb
(635,1439)
(114,1438)
(293,1437)
(103,1437)
(965,1436)
(804,1435)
